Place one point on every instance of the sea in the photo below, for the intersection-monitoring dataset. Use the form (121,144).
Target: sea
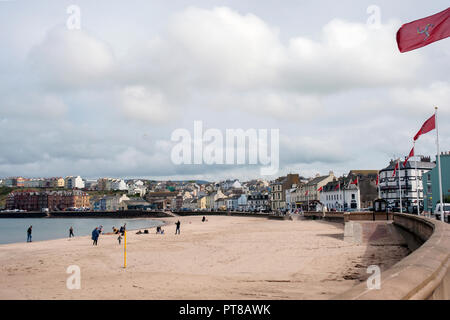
(14,230)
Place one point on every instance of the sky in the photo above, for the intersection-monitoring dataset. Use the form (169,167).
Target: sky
(103,100)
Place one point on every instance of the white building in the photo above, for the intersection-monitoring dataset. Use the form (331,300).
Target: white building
(340,195)
(71,182)
(410,180)
(118,184)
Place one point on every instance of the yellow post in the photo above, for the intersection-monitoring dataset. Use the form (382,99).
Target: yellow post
(125,249)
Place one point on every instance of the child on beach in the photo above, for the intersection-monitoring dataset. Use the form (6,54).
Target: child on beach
(120,239)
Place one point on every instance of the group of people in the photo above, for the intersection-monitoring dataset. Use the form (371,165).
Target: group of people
(98,230)
(159,230)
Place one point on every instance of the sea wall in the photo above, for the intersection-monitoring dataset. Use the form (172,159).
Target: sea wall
(424,274)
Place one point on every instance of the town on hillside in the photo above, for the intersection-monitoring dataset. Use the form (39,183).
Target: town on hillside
(356,191)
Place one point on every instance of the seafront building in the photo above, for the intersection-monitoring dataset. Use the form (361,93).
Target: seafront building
(430,180)
(340,195)
(367,185)
(53,200)
(307,194)
(410,181)
(278,190)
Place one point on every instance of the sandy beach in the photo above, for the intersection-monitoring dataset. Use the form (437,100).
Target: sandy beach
(223,258)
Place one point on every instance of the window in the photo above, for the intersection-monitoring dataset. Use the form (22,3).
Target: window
(353,196)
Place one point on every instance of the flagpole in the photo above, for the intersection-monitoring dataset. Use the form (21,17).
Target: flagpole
(400,185)
(439,165)
(417,180)
(378,185)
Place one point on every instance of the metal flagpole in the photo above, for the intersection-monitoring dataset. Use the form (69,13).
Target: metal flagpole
(439,165)
(125,249)
(378,185)
(417,179)
(400,185)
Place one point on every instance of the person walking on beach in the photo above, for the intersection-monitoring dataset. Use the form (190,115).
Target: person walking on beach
(120,239)
(177,230)
(95,235)
(30,229)
(71,233)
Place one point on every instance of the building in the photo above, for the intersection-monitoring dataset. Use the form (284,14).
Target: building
(53,200)
(202,202)
(14,182)
(307,194)
(258,202)
(367,184)
(410,180)
(135,204)
(57,182)
(431,184)
(161,199)
(109,203)
(278,190)
(118,184)
(340,195)
(74,182)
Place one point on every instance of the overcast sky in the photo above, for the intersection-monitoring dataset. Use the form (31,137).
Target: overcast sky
(104,100)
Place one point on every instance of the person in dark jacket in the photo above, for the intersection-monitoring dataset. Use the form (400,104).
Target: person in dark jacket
(177,230)
(30,229)
(71,233)
(95,235)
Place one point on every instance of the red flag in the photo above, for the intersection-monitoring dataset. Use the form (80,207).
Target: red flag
(422,32)
(377,178)
(427,126)
(338,186)
(395,169)
(320,189)
(354,181)
(306,193)
(411,154)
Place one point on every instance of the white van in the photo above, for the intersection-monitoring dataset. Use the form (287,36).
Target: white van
(437,211)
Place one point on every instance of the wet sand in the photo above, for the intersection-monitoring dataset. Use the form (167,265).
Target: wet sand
(223,258)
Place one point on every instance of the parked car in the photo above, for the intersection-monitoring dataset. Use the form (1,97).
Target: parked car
(437,211)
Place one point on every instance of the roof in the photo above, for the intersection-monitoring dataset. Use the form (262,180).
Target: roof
(410,165)
(363,172)
(135,202)
(316,180)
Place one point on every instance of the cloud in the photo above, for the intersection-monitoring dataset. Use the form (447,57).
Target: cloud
(420,100)
(345,97)
(145,104)
(71,59)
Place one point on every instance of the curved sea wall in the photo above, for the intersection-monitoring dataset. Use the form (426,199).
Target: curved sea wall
(424,274)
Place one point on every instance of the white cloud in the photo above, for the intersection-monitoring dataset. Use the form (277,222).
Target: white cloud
(71,59)
(420,100)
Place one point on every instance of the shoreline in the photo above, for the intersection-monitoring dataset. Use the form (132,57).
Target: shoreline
(164,223)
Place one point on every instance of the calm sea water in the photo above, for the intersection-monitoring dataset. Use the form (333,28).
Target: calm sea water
(15,230)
